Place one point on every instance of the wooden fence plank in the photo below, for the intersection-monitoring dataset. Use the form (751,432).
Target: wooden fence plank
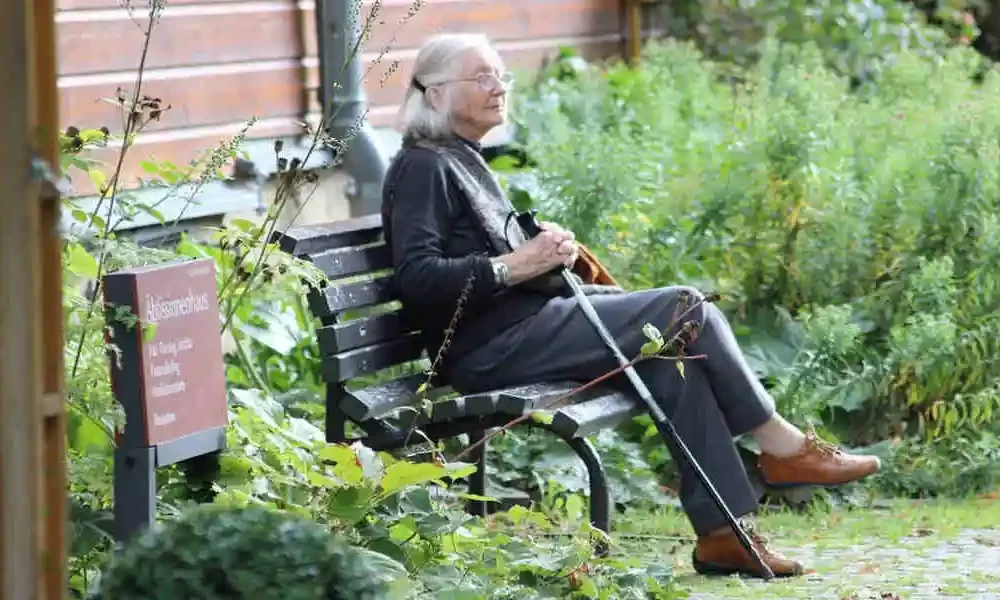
(262,31)
(179,150)
(500,20)
(197,97)
(96,4)
(237,35)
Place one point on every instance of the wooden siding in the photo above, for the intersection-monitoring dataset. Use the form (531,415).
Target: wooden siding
(219,63)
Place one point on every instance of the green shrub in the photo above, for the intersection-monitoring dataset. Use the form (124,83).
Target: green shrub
(857,37)
(853,232)
(211,552)
(969,465)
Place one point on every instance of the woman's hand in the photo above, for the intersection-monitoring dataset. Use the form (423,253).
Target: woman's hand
(552,248)
(568,248)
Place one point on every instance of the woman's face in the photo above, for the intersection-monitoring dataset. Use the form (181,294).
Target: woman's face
(479,97)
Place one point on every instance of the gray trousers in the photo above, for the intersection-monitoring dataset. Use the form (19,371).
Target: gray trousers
(717,399)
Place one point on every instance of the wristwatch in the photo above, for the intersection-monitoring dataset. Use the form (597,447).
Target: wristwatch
(501,274)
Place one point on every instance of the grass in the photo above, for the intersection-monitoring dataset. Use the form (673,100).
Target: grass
(896,549)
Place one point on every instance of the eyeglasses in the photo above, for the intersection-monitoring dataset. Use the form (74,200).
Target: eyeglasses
(487,81)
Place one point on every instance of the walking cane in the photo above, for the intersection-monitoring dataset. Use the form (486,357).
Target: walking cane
(531,228)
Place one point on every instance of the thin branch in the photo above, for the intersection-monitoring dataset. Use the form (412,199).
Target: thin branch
(283,192)
(155,7)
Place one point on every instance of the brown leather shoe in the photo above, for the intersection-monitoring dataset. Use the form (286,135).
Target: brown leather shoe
(724,555)
(817,463)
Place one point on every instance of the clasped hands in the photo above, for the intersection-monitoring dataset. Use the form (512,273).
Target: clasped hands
(558,246)
(553,247)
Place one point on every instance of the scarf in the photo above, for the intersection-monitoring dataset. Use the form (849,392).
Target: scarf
(486,199)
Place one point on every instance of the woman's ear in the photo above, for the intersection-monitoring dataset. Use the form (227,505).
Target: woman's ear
(435,98)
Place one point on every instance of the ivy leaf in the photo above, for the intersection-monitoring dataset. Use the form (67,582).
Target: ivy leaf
(655,343)
(543,418)
(651,348)
(458,470)
(81,262)
(320,480)
(148,332)
(266,409)
(351,503)
(244,225)
(348,466)
(401,475)
(151,211)
(587,588)
(98,221)
(98,178)
(433,524)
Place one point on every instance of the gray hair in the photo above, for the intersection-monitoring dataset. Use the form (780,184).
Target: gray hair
(434,64)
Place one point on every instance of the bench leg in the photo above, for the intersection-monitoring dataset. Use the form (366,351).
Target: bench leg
(477,481)
(600,493)
(335,421)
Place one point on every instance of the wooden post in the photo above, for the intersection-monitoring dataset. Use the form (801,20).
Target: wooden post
(32,457)
(54,505)
(21,389)
(634,18)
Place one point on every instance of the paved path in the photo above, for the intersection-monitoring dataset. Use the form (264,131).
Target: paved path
(919,567)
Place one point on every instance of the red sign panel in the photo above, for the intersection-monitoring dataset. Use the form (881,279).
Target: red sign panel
(176,348)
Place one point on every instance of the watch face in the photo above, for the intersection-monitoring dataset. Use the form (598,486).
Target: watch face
(500,272)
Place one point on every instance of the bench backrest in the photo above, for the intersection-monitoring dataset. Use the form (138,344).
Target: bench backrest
(361,328)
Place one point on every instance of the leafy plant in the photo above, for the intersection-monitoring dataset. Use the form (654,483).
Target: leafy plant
(219,553)
(857,37)
(851,230)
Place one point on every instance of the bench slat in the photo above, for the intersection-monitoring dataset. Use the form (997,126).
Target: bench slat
(465,406)
(308,239)
(338,298)
(360,332)
(519,400)
(591,416)
(348,365)
(377,401)
(449,410)
(344,262)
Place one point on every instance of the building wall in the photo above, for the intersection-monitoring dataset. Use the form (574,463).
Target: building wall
(219,63)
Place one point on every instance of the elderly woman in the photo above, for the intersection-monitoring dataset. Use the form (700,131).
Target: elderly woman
(456,248)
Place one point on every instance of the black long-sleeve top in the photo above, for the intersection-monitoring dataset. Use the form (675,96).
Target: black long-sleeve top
(436,245)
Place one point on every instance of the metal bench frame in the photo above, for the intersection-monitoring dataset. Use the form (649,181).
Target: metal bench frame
(386,413)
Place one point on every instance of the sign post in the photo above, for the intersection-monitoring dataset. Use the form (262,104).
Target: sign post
(167,372)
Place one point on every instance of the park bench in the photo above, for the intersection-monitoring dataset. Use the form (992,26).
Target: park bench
(360,332)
